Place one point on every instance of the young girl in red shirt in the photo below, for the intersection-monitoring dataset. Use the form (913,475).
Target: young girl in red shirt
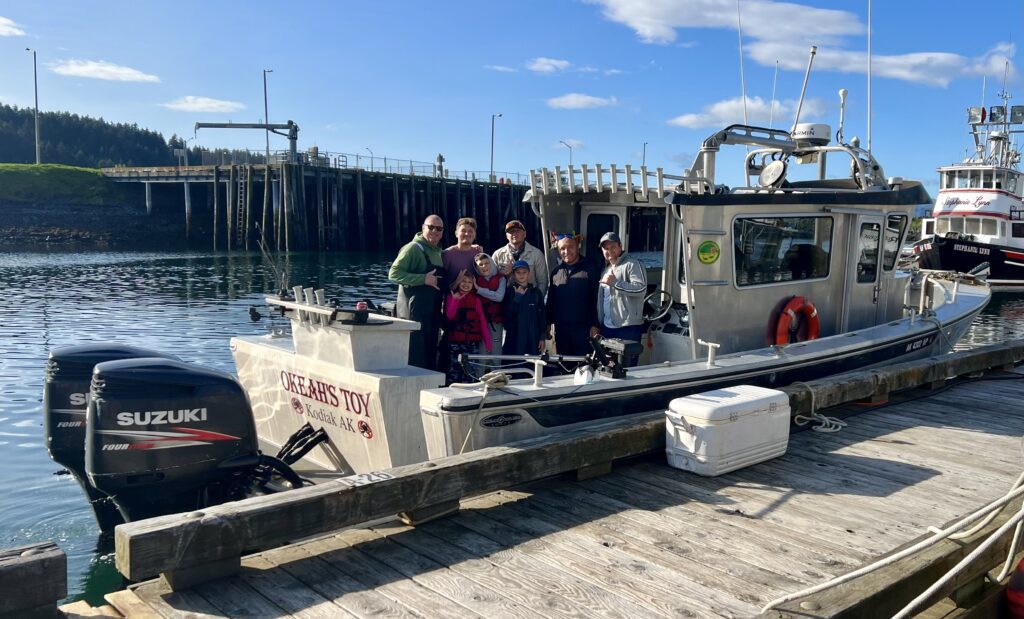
(466,326)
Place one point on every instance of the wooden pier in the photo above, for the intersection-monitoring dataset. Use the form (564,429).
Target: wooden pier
(305,207)
(498,533)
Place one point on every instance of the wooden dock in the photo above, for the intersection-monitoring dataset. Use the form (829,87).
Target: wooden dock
(643,540)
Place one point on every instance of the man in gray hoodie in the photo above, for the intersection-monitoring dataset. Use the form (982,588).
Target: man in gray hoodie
(620,297)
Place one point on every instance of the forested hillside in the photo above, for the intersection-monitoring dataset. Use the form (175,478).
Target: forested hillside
(76,140)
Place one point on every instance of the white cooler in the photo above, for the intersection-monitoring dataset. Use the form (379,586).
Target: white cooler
(723,430)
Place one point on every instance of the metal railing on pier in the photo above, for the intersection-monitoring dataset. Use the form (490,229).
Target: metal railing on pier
(356,161)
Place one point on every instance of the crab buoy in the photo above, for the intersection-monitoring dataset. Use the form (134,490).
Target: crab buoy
(788,316)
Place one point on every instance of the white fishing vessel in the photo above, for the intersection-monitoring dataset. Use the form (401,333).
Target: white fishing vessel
(979,212)
(765,281)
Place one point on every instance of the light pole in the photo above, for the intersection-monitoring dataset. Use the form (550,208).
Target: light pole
(490,177)
(266,114)
(643,161)
(564,143)
(35,85)
(371,157)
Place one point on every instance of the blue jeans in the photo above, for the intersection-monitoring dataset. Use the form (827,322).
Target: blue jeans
(634,333)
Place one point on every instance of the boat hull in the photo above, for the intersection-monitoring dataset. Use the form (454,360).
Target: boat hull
(1006,264)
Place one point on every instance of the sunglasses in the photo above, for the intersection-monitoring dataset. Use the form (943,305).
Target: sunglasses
(434,228)
(567,235)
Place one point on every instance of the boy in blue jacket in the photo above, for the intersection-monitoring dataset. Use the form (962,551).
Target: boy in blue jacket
(525,322)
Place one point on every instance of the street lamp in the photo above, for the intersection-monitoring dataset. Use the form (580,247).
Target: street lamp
(643,161)
(493,116)
(564,143)
(35,85)
(266,114)
(371,157)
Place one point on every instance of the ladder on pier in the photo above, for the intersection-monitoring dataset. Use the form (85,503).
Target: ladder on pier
(241,227)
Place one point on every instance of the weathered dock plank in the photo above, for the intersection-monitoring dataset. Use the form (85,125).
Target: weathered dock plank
(33,578)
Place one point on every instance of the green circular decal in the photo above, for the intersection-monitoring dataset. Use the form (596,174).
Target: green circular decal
(707,252)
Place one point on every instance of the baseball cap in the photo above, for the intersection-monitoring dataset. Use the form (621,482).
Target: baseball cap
(610,236)
(520,264)
(512,225)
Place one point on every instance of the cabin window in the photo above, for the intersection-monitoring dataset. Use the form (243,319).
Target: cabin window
(1011,182)
(867,258)
(780,249)
(972,225)
(990,226)
(1018,230)
(597,224)
(942,225)
(895,225)
(929,227)
(956,224)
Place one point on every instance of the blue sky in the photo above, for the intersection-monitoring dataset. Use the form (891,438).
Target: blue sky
(411,79)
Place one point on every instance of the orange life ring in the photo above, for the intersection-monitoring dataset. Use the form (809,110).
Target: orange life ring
(802,305)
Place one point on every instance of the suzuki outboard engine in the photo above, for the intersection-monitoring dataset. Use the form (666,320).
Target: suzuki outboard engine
(164,437)
(65,395)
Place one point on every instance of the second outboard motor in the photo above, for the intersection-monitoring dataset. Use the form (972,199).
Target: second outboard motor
(164,437)
(65,396)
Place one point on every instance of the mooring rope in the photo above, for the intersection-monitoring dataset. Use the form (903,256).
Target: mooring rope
(825,423)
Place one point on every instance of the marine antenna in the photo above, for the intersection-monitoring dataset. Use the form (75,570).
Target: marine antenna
(803,91)
(743,83)
(280,275)
(771,106)
(869,77)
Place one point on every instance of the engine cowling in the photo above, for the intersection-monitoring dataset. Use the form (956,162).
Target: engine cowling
(165,436)
(65,399)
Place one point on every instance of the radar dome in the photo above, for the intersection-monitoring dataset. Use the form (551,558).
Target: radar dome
(812,134)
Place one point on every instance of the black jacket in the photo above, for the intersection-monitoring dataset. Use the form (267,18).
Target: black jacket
(572,293)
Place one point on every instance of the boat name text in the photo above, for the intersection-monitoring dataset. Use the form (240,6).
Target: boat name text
(953,201)
(971,249)
(326,393)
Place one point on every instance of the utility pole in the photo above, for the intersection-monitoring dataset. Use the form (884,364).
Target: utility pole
(35,84)
(266,114)
(490,176)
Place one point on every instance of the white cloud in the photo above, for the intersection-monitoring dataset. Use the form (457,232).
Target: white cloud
(730,111)
(576,144)
(613,71)
(579,101)
(547,65)
(784,31)
(203,104)
(501,68)
(10,29)
(101,70)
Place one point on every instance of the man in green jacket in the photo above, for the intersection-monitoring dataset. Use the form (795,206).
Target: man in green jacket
(420,276)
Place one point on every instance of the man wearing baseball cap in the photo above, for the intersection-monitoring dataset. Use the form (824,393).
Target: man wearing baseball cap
(519,249)
(620,296)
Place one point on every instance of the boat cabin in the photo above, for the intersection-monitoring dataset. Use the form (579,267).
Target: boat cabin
(724,262)
(981,201)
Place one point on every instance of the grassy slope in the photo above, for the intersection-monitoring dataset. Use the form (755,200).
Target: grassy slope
(56,184)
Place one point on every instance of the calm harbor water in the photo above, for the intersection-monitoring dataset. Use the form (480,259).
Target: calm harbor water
(185,304)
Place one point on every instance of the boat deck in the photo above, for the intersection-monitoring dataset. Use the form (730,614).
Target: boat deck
(650,541)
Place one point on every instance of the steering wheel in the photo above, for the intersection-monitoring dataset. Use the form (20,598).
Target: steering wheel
(655,312)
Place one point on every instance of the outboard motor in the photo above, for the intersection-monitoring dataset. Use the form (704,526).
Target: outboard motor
(65,397)
(165,437)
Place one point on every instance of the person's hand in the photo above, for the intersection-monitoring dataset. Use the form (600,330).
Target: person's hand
(609,279)
(594,332)
(505,269)
(520,289)
(540,346)
(430,279)
(462,274)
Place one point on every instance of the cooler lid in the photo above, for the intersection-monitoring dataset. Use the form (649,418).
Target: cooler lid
(724,404)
